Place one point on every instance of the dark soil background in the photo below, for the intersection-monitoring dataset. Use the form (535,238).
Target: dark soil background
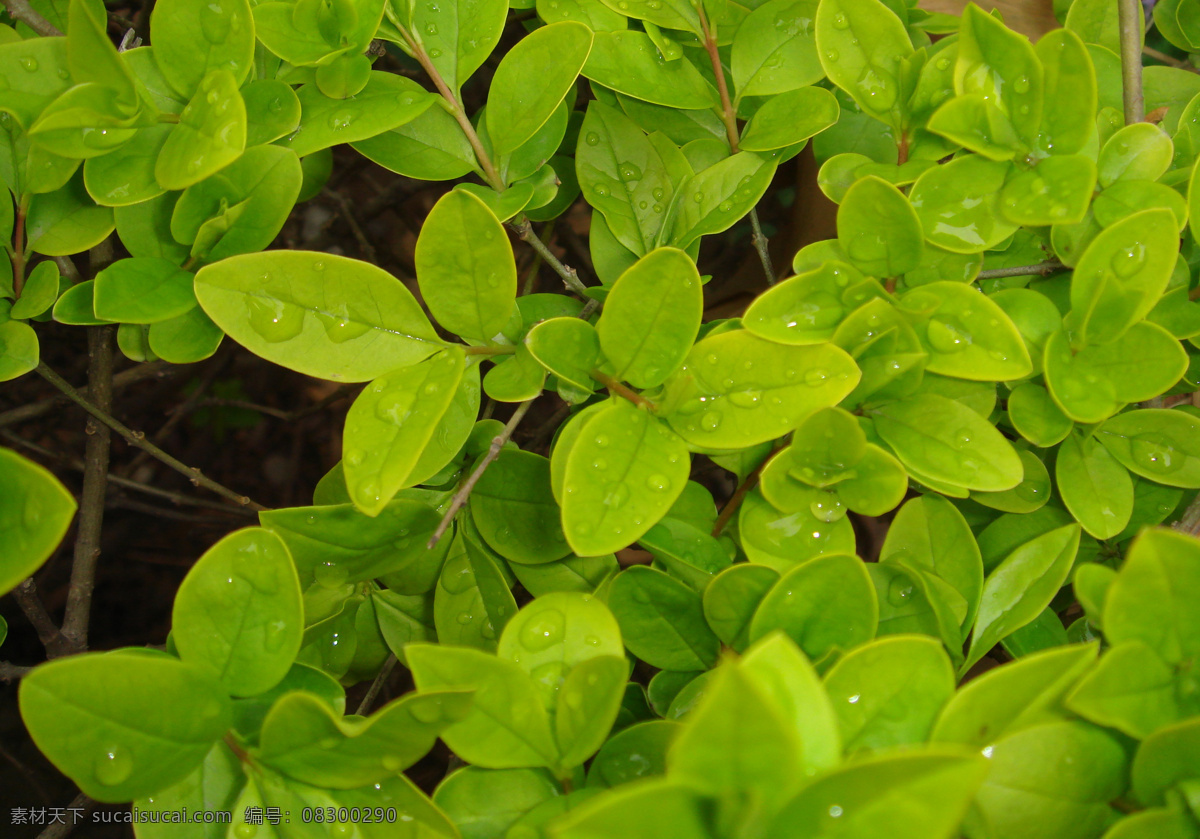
(269,433)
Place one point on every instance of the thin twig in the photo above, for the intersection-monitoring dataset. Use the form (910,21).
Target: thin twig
(1189,522)
(570,276)
(1159,55)
(364,244)
(464,491)
(623,390)
(152,370)
(1042,268)
(8,672)
(125,483)
(739,495)
(1129,18)
(364,707)
(58,830)
(31,604)
(97,443)
(138,440)
(24,12)
(729,117)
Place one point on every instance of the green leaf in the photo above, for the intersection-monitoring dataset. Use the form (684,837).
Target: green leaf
(431,147)
(958,204)
(861,44)
(567,347)
(1120,276)
(390,424)
(214,784)
(472,603)
(587,707)
(651,317)
(287,307)
(532,79)
(967,335)
(731,599)
(947,441)
(126,176)
(932,790)
(714,199)
(662,620)
(1053,781)
(1094,383)
(556,633)
(226,41)
(272,111)
(737,389)
(627,62)
(638,751)
(35,510)
(651,808)
(123,724)
(1014,696)
(507,726)
(1156,444)
(789,118)
(619,170)
(822,604)
(210,135)
(303,738)
(40,292)
(1094,486)
(878,229)
(771,58)
(185,339)
(974,122)
(1096,23)
(514,508)
(1156,823)
(804,309)
(622,475)
(1020,587)
(1138,152)
(386,102)
(888,692)
(930,535)
(484,803)
(1036,417)
(145,290)
(1069,92)
(1000,64)
(737,740)
(66,221)
(1149,599)
(465,267)
(239,612)
(36,73)
(781,540)
(1132,690)
(263,184)
(459,36)
(1056,192)
(1165,758)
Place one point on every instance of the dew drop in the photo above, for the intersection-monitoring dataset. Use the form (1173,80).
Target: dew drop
(114,766)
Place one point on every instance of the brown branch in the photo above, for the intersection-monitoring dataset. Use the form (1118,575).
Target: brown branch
(570,276)
(364,245)
(739,495)
(623,390)
(364,707)
(152,370)
(138,440)
(729,117)
(125,483)
(1129,18)
(31,604)
(1159,55)
(58,830)
(78,610)
(24,12)
(1042,268)
(464,491)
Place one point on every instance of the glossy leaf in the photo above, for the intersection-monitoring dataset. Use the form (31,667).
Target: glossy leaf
(1094,486)
(662,620)
(35,512)
(878,229)
(1156,444)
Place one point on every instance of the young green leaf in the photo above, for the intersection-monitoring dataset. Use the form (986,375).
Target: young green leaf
(225,42)
(627,62)
(35,511)
(789,118)
(145,290)
(1156,444)
(804,309)
(861,44)
(458,36)
(1094,486)
(514,508)
(124,724)
(239,612)
(317,313)
(386,102)
(210,135)
(472,603)
(465,267)
(651,317)
(768,58)
(878,229)
(662,620)
(1148,600)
